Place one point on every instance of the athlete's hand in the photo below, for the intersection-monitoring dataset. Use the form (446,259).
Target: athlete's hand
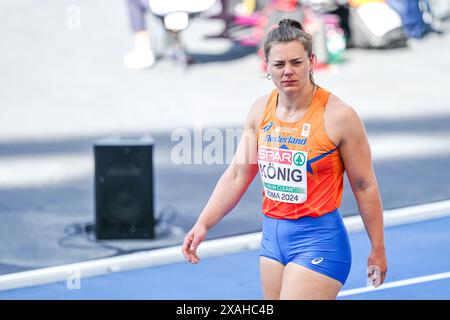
(377,267)
(192,241)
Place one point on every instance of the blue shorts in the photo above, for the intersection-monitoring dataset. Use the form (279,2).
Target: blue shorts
(320,244)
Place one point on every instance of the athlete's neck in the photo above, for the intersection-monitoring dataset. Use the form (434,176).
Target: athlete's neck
(291,103)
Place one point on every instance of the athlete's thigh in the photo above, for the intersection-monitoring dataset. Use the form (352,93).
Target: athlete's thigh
(301,283)
(271,276)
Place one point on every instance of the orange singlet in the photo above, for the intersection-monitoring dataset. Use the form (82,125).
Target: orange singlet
(300,167)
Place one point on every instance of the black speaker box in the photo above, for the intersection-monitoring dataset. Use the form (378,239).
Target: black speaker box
(124,188)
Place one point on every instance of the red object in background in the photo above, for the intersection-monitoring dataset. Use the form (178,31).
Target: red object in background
(285,5)
(320,66)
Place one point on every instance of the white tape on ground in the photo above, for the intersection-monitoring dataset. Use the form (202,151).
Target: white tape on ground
(396,284)
(207,249)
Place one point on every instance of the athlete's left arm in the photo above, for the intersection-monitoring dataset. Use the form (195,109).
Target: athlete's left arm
(356,155)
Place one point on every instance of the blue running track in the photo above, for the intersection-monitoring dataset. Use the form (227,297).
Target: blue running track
(414,250)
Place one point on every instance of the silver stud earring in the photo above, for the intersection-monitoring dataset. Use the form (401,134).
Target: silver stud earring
(269,77)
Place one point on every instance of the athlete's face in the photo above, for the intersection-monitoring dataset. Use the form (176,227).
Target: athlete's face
(289,66)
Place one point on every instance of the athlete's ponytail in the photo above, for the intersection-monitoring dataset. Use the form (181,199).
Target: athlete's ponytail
(290,23)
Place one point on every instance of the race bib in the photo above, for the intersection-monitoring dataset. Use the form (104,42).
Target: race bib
(283,174)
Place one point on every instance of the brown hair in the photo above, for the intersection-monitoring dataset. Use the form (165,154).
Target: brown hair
(286,31)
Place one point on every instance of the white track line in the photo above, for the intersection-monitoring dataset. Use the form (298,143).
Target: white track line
(207,249)
(396,284)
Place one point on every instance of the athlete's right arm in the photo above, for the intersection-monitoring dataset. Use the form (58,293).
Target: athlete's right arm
(231,186)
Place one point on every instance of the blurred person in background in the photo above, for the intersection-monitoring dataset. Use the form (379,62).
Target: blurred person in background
(174,17)
(142,55)
(301,139)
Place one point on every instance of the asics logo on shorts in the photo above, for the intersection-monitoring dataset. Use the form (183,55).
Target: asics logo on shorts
(316,261)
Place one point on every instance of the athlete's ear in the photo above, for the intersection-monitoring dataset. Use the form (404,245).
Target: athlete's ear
(312,60)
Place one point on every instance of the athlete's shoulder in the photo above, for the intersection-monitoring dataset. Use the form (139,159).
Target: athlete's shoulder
(256,113)
(340,120)
(339,110)
(261,102)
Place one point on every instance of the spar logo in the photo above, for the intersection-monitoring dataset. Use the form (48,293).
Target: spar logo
(299,159)
(268,126)
(275,155)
